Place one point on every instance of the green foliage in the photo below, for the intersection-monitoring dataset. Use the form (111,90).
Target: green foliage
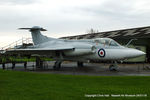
(34,86)
(46,59)
(21,59)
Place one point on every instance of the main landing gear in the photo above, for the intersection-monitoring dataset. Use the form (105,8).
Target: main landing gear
(113,67)
(57,65)
(80,64)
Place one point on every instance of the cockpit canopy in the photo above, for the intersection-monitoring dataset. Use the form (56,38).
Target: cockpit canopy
(106,41)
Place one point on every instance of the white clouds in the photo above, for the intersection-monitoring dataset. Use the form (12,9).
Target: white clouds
(72,16)
(142,5)
(17,2)
(70,12)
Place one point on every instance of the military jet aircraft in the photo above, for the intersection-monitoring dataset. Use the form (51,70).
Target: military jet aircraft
(105,49)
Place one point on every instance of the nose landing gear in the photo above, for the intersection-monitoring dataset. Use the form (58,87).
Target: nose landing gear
(113,67)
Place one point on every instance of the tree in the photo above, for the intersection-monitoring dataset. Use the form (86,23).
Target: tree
(92,31)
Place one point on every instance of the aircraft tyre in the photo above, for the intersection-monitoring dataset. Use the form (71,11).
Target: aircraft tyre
(80,64)
(113,67)
(57,65)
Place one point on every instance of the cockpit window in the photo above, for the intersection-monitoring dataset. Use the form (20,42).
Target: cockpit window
(106,42)
(113,43)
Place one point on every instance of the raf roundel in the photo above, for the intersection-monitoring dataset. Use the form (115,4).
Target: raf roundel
(101,52)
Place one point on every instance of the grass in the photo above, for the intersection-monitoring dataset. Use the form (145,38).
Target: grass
(21,59)
(37,86)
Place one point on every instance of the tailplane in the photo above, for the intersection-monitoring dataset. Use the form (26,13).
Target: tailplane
(37,37)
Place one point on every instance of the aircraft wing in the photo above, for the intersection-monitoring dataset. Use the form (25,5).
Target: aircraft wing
(38,50)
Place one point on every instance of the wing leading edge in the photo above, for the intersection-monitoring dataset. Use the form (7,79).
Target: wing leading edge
(38,50)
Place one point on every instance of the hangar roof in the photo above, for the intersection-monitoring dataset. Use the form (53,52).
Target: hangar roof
(140,32)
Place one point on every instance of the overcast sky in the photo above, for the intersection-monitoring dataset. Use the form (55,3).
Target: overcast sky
(70,17)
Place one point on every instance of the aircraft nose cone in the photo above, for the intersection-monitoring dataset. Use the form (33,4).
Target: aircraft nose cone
(140,53)
(136,53)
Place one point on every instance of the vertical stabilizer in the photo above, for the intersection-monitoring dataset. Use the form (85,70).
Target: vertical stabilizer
(37,37)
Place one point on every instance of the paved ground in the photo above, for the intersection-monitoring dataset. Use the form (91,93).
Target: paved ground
(89,69)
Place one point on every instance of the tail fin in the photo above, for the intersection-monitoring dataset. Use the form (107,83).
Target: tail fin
(37,36)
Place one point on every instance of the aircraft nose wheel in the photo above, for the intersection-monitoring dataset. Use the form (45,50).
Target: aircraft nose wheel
(113,67)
